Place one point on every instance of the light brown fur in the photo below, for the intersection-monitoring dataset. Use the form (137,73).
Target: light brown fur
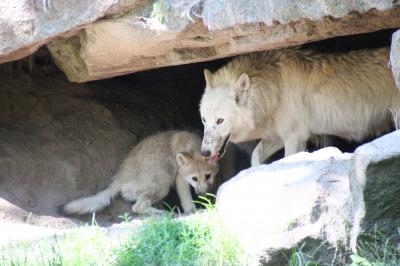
(151,169)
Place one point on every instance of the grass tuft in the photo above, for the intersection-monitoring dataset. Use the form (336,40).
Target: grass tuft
(198,240)
(85,246)
(377,249)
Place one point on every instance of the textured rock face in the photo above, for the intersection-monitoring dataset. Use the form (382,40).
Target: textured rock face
(395,57)
(60,141)
(139,41)
(315,198)
(136,35)
(304,197)
(227,13)
(375,186)
(26,25)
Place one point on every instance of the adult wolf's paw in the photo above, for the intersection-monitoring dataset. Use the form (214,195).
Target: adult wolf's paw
(255,160)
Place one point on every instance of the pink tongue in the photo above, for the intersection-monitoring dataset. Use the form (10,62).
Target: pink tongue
(213,159)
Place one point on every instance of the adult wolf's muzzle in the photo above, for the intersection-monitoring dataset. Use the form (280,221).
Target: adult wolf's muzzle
(213,145)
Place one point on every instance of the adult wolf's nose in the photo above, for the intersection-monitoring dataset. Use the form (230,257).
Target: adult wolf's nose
(205,153)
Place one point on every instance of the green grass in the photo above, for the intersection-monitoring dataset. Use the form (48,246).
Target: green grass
(377,249)
(299,258)
(197,240)
(201,239)
(374,249)
(85,246)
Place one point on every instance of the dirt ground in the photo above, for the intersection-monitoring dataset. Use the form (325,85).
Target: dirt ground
(60,140)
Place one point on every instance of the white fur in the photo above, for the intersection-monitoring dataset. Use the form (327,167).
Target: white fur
(156,164)
(284,97)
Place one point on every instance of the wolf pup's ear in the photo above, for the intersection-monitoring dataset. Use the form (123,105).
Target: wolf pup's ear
(208,77)
(242,87)
(183,158)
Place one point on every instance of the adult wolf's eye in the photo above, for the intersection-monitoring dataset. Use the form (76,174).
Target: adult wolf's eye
(202,119)
(220,120)
(208,176)
(195,178)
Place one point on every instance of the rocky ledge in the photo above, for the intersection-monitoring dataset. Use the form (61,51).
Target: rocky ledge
(99,39)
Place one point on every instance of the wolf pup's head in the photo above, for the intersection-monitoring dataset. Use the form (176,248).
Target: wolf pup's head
(221,110)
(197,171)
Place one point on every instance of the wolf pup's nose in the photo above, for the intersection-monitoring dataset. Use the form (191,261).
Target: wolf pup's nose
(205,153)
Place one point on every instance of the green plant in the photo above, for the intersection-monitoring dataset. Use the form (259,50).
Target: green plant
(159,12)
(299,258)
(199,240)
(206,202)
(377,249)
(125,217)
(88,245)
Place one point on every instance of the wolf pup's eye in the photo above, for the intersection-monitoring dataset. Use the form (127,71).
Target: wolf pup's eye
(208,176)
(202,119)
(220,120)
(195,178)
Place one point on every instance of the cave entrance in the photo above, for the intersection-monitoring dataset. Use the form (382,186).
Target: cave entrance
(61,140)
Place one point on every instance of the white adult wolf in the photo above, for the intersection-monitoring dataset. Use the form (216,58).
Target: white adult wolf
(151,169)
(283,97)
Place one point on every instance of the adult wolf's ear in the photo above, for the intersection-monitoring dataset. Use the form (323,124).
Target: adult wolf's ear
(208,77)
(183,158)
(242,89)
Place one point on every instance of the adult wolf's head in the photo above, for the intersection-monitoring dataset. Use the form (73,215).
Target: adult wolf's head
(222,112)
(197,171)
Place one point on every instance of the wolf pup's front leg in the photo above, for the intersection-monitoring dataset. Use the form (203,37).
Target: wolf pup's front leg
(185,197)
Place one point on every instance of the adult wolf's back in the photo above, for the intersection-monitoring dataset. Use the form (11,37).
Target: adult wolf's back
(284,97)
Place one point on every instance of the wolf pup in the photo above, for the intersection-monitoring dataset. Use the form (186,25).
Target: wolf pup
(284,97)
(157,163)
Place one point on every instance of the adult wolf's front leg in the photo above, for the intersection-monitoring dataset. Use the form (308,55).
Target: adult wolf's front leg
(264,149)
(185,197)
(294,144)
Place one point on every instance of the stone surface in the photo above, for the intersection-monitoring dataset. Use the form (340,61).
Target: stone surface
(375,186)
(57,143)
(395,57)
(25,25)
(219,14)
(155,37)
(315,201)
(302,198)
(134,35)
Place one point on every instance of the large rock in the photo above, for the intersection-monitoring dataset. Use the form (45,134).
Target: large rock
(305,197)
(56,143)
(135,35)
(375,186)
(219,14)
(395,57)
(25,25)
(178,32)
(321,202)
